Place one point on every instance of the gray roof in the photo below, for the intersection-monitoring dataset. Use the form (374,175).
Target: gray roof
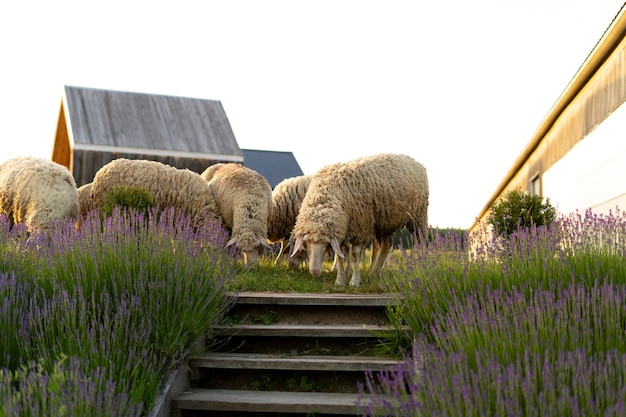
(117,121)
(274,166)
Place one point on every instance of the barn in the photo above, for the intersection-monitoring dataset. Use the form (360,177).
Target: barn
(96,126)
(577,155)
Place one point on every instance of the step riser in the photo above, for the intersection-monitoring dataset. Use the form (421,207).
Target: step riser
(296,346)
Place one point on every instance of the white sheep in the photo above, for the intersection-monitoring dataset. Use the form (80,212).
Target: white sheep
(244,203)
(168,186)
(352,203)
(37,192)
(287,197)
(85,202)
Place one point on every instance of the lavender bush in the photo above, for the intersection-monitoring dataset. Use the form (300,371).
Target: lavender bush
(532,325)
(122,299)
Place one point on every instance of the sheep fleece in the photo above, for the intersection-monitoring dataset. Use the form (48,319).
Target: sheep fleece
(366,197)
(37,192)
(168,186)
(287,198)
(244,200)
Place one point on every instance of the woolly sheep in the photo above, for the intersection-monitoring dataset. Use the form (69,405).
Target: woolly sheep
(244,202)
(85,202)
(168,186)
(287,197)
(352,203)
(37,192)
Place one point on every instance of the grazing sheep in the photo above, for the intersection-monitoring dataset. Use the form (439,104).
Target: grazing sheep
(287,197)
(36,192)
(352,203)
(244,202)
(85,202)
(168,186)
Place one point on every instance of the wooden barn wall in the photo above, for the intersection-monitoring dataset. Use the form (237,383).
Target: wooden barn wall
(87,163)
(602,95)
(61,153)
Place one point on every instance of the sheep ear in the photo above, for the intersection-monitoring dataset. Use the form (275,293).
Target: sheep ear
(298,245)
(231,242)
(264,242)
(334,243)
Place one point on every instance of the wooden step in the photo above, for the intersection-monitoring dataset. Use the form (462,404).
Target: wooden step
(318,299)
(301,330)
(269,401)
(291,362)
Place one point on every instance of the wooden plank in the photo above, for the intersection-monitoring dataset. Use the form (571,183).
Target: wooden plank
(231,360)
(301,330)
(269,401)
(326,299)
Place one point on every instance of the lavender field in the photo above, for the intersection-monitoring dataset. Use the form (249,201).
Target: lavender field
(530,325)
(92,320)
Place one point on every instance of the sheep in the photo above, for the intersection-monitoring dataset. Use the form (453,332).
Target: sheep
(287,197)
(85,203)
(244,203)
(168,186)
(37,192)
(352,203)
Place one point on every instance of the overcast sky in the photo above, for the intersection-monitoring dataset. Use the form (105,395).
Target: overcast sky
(460,86)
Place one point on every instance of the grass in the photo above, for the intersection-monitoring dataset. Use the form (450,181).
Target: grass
(271,276)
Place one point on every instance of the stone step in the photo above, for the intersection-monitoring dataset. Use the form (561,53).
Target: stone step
(228,360)
(269,402)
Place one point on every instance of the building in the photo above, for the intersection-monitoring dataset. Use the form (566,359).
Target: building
(274,166)
(96,126)
(577,156)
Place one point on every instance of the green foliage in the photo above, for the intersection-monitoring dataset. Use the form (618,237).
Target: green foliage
(516,210)
(127,197)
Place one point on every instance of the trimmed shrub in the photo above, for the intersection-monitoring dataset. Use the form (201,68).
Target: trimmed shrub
(127,197)
(516,210)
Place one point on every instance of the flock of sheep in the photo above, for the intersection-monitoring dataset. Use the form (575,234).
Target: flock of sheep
(342,207)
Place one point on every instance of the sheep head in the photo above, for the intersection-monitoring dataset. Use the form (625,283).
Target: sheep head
(249,246)
(316,249)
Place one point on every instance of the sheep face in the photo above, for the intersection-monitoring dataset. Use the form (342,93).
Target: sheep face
(316,249)
(249,245)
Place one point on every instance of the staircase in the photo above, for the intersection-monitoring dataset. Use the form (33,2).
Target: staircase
(287,355)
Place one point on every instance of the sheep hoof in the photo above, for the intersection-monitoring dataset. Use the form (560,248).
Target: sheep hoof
(355,282)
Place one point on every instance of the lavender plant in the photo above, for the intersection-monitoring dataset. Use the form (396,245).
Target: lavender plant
(532,326)
(126,297)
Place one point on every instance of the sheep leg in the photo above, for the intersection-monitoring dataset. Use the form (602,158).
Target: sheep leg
(356,254)
(375,248)
(280,252)
(341,272)
(383,252)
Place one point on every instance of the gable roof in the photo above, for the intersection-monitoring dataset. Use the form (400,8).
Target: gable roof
(135,123)
(273,165)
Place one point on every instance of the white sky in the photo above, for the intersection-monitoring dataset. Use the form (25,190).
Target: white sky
(460,86)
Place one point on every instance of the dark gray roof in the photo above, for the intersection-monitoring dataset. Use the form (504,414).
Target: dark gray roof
(274,166)
(126,122)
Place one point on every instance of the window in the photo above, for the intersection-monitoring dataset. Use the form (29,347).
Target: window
(535,184)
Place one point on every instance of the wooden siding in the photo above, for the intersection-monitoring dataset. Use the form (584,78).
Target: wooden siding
(87,163)
(597,90)
(127,120)
(61,152)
